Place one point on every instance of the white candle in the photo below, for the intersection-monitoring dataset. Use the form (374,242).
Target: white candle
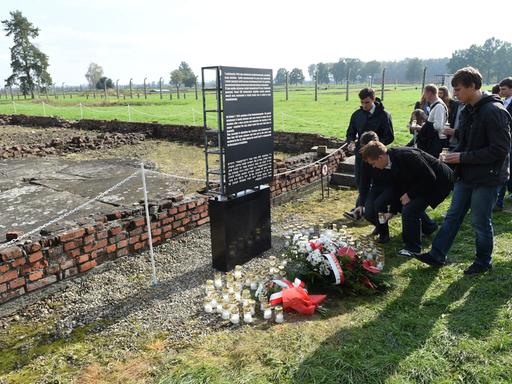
(208,307)
(218,283)
(267,314)
(279,318)
(225,314)
(235,318)
(248,317)
(254,285)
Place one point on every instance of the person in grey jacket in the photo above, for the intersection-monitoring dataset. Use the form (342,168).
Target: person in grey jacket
(481,162)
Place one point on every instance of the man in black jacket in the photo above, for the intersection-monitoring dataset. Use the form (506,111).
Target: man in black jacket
(482,162)
(371,116)
(419,180)
(505,91)
(375,193)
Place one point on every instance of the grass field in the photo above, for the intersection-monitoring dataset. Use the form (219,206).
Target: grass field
(329,116)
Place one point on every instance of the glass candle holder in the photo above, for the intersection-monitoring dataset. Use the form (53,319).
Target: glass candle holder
(272,260)
(234,317)
(225,295)
(248,317)
(254,284)
(267,312)
(279,314)
(237,273)
(220,308)
(217,280)
(252,305)
(263,301)
(225,313)
(207,305)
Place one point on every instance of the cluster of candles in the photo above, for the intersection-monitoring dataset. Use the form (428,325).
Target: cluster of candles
(364,246)
(233,294)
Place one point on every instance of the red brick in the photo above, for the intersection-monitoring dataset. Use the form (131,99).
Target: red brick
(35,257)
(86,266)
(168,235)
(203,221)
(13,284)
(94,254)
(89,239)
(3,288)
(182,208)
(185,221)
(8,276)
(89,248)
(74,253)
(67,264)
(176,224)
(167,228)
(90,230)
(34,247)
(172,211)
(180,230)
(139,222)
(200,209)
(71,235)
(144,236)
(101,244)
(122,244)
(41,283)
(111,248)
(83,258)
(101,235)
(156,232)
(134,239)
(138,246)
(156,240)
(204,214)
(115,231)
(136,232)
(195,217)
(35,276)
(18,262)
(169,220)
(10,253)
(180,215)
(70,245)
(160,216)
(191,205)
(4,268)
(122,252)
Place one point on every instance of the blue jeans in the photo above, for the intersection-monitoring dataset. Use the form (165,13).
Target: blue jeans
(481,200)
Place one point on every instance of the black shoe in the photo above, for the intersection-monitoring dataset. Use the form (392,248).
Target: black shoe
(352,215)
(383,239)
(407,253)
(475,268)
(428,259)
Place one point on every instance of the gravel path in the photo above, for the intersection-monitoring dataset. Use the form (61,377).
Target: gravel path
(120,293)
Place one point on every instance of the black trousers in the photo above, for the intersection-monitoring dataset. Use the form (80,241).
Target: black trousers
(377,200)
(415,222)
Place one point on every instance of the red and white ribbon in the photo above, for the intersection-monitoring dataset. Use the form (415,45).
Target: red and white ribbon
(336,268)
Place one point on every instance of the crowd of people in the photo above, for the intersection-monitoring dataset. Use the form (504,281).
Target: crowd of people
(460,146)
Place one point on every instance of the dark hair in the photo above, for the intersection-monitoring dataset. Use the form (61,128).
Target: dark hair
(496,89)
(431,88)
(366,92)
(506,82)
(367,137)
(373,150)
(466,77)
(419,115)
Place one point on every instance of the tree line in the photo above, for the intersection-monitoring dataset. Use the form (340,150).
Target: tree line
(493,58)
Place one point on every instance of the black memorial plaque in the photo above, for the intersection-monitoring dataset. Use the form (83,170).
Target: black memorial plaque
(248,127)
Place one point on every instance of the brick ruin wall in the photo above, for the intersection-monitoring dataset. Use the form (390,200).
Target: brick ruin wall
(52,257)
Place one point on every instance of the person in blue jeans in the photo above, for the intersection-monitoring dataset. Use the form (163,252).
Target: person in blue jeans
(481,164)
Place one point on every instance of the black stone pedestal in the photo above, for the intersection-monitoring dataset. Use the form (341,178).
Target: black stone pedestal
(240,228)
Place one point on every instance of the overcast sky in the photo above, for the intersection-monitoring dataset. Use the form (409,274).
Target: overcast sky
(150,38)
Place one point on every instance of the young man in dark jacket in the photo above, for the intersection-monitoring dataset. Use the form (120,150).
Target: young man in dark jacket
(419,181)
(505,91)
(371,116)
(375,193)
(482,160)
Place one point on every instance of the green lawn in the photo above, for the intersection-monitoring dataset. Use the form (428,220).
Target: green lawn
(328,116)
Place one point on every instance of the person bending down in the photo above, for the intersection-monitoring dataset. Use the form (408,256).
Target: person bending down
(419,180)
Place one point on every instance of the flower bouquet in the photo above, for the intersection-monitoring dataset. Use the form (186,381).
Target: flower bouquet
(333,258)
